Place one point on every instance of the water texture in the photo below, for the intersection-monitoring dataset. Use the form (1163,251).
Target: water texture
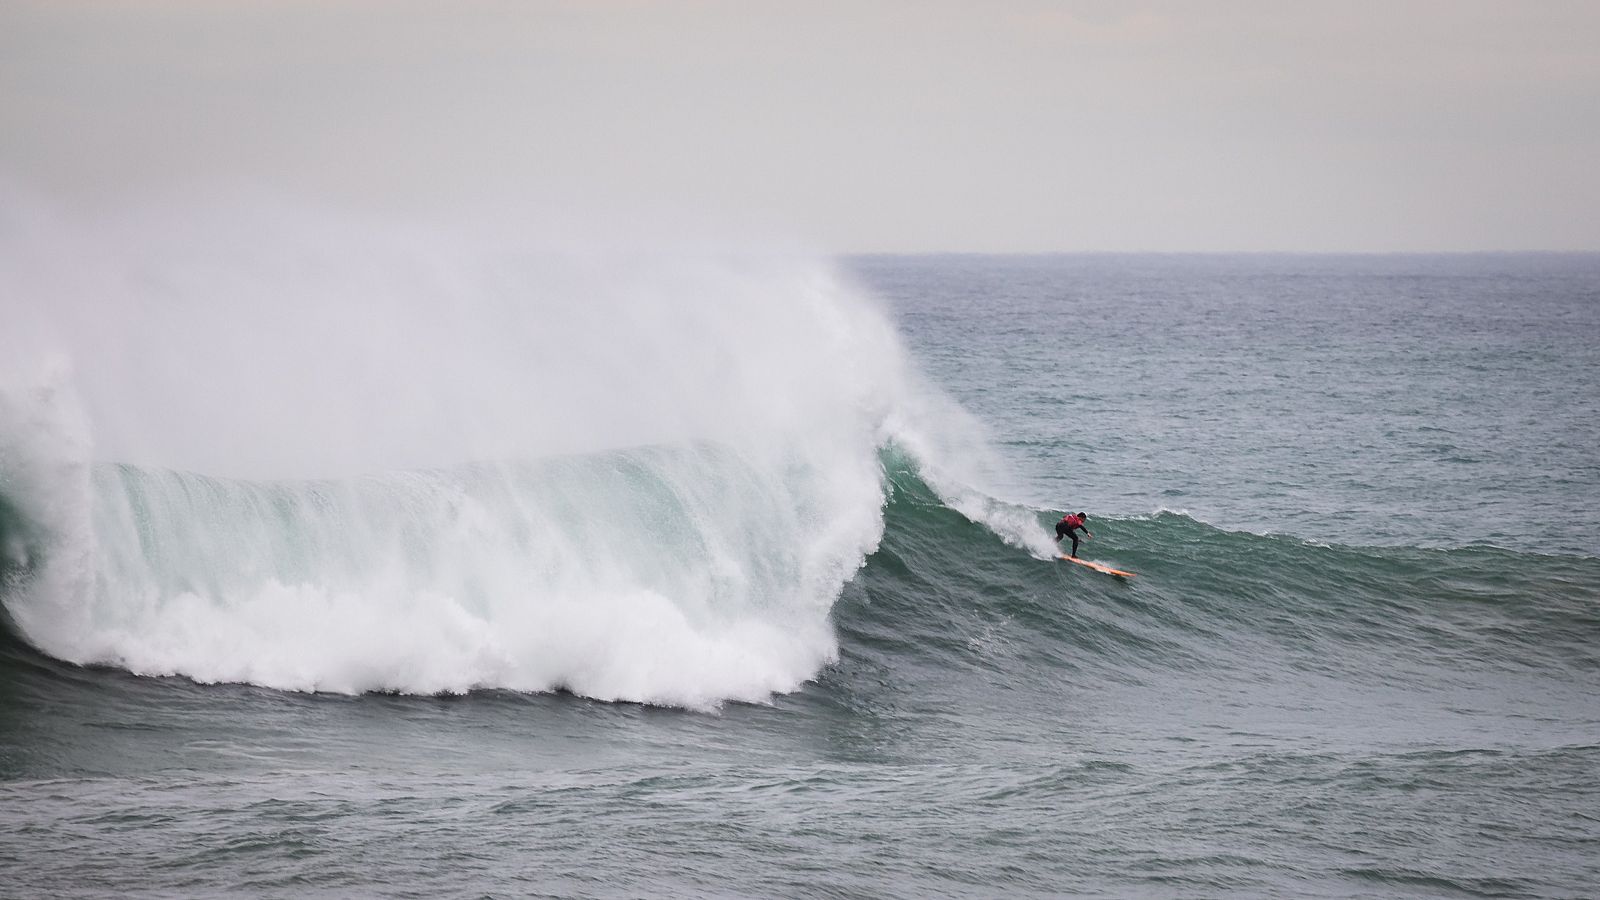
(799,633)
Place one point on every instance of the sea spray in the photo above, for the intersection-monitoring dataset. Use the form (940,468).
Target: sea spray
(342,459)
(47,541)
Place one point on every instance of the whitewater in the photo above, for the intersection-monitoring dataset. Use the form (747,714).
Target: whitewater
(358,460)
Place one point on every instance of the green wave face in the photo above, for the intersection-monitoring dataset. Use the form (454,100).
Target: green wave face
(1208,600)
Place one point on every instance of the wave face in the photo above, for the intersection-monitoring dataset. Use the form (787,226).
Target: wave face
(1229,606)
(426,467)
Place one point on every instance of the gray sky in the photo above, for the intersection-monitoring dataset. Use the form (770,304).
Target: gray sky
(890,126)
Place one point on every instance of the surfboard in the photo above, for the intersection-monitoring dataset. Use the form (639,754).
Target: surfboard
(1099,567)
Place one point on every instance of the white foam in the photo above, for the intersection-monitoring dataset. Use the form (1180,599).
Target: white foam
(338,383)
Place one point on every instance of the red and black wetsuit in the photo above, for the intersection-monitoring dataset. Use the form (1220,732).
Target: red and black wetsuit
(1068,527)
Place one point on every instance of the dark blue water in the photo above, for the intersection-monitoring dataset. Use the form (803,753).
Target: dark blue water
(1419,400)
(1361,656)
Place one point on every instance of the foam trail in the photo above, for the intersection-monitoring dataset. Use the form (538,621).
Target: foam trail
(350,459)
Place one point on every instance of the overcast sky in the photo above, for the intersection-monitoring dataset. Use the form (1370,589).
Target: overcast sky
(888,126)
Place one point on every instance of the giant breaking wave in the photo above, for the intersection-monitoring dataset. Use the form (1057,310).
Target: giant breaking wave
(315,456)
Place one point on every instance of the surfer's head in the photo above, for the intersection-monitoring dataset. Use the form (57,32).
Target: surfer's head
(1083,515)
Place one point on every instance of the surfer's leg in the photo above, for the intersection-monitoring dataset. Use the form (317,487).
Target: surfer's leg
(1074,546)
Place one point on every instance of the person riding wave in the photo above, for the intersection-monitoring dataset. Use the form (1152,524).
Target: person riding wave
(1068,526)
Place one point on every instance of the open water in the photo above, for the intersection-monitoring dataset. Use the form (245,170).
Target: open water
(735,579)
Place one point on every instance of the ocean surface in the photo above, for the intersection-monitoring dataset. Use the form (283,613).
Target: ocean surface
(468,574)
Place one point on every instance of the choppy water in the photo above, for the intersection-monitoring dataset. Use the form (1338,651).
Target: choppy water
(1361,656)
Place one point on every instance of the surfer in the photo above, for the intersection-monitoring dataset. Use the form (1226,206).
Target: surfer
(1067,527)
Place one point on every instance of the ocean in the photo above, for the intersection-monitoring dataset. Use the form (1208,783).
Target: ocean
(363,572)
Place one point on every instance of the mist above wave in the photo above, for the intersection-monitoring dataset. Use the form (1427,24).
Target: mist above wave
(312,382)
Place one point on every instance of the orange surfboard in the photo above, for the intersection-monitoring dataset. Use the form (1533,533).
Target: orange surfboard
(1099,568)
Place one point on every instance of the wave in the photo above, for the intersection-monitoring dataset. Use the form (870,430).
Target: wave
(942,590)
(661,574)
(342,461)
(669,575)
(681,481)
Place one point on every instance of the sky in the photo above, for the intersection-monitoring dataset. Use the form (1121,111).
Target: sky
(1026,126)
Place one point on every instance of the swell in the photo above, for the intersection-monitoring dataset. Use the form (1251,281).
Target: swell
(242,453)
(940,592)
(943,590)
